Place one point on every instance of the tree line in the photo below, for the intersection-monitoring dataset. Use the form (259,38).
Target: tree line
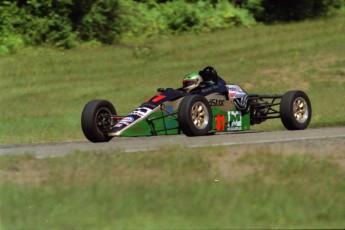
(68,23)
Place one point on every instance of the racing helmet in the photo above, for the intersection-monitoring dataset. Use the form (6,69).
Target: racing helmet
(191,81)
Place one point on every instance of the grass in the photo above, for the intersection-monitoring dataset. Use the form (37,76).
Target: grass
(43,91)
(206,188)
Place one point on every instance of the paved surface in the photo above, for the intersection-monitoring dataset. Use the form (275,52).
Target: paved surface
(318,138)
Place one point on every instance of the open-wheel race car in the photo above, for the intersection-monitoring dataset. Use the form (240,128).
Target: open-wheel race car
(204,105)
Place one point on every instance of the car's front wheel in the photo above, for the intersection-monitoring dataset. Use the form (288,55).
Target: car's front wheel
(295,110)
(96,119)
(195,116)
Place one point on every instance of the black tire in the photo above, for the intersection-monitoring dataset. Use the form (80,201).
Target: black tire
(187,114)
(295,110)
(95,120)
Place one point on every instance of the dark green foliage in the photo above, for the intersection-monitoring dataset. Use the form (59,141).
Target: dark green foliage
(65,23)
(98,21)
(35,22)
(290,10)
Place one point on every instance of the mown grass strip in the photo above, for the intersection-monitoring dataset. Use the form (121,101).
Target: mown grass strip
(173,188)
(43,91)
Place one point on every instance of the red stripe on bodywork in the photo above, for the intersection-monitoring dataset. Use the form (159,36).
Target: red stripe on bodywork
(158,98)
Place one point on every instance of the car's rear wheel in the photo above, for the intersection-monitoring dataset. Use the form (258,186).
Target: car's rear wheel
(96,119)
(195,116)
(295,110)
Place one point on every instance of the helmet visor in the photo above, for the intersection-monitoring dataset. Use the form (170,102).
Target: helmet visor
(188,83)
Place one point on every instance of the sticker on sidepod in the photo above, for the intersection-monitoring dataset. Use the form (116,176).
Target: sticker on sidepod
(118,125)
(126,120)
(141,111)
(235,91)
(235,121)
(132,117)
(234,88)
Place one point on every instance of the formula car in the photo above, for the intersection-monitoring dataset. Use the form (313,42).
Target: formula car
(205,105)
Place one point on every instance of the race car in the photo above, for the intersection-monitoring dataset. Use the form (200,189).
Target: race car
(205,105)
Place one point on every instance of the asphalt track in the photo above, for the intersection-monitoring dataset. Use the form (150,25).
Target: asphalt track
(315,138)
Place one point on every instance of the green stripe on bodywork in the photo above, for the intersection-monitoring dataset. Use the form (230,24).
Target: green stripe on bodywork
(223,121)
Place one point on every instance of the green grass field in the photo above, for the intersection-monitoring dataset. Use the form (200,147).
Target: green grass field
(207,188)
(43,91)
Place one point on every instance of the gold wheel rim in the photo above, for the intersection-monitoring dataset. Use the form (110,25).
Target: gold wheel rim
(300,110)
(200,115)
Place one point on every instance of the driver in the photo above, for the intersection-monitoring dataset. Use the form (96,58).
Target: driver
(208,75)
(191,81)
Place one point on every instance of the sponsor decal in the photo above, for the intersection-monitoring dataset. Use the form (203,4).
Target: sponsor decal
(118,125)
(240,95)
(236,95)
(234,88)
(141,111)
(124,123)
(216,102)
(235,120)
(232,95)
(128,119)
(235,91)
(206,90)
(220,122)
